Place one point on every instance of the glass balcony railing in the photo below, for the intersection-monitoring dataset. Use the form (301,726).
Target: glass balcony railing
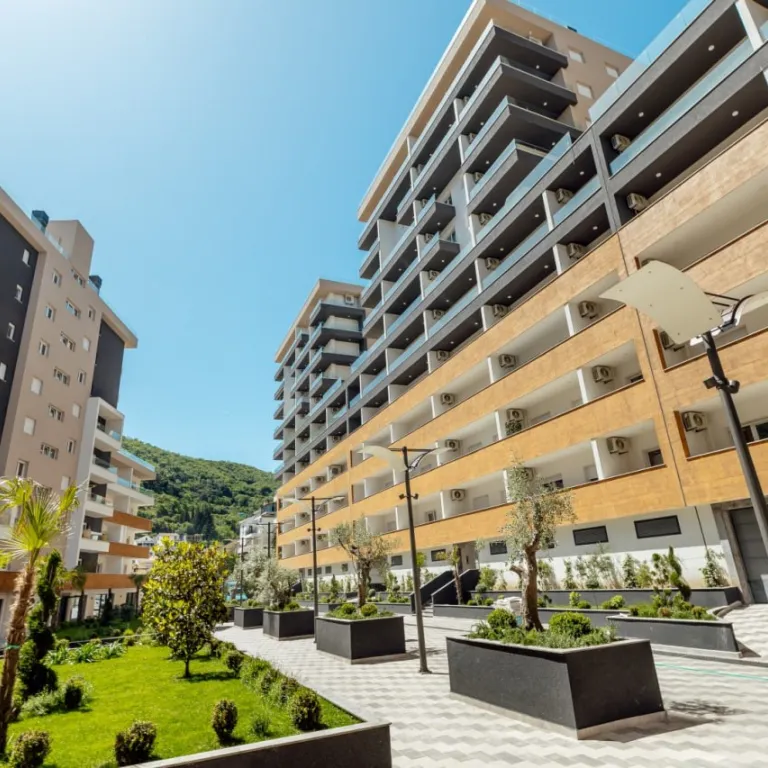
(403,316)
(425,208)
(581,197)
(535,237)
(661,42)
(374,381)
(97,462)
(454,310)
(447,271)
(324,399)
(488,125)
(684,104)
(95,497)
(495,165)
(354,400)
(407,352)
(114,434)
(134,486)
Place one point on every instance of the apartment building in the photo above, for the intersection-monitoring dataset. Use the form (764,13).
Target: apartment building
(61,357)
(536,171)
(258,531)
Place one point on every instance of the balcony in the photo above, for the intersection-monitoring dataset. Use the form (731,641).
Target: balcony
(102,470)
(92,541)
(372,261)
(106,438)
(133,551)
(145,468)
(121,486)
(131,521)
(97,505)
(333,307)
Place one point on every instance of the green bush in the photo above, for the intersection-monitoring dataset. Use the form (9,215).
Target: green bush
(285,689)
(260,725)
(488,601)
(251,671)
(129,637)
(42,704)
(472,601)
(293,606)
(233,661)
(573,624)
(346,609)
(481,589)
(614,603)
(304,710)
(135,744)
(501,619)
(371,594)
(29,750)
(543,601)
(224,719)
(74,692)
(34,677)
(222,647)
(268,679)
(368,610)
(583,604)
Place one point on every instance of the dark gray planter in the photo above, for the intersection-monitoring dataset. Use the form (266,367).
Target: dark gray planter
(362,639)
(289,625)
(577,689)
(688,633)
(476,612)
(402,608)
(248,618)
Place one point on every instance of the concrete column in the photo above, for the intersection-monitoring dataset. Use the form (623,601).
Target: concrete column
(753,16)
(589,388)
(562,262)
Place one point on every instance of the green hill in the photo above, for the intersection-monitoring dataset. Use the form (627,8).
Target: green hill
(198,496)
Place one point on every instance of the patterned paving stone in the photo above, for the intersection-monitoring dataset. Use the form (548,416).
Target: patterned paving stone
(718,712)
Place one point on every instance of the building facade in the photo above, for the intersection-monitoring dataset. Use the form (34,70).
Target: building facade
(61,357)
(536,171)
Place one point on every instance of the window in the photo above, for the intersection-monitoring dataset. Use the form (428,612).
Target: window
(86,344)
(595,535)
(3,370)
(396,560)
(612,71)
(19,293)
(55,413)
(43,347)
(756,431)
(49,451)
(76,410)
(66,481)
(25,257)
(71,308)
(29,426)
(78,279)
(67,342)
(657,526)
(328,568)
(553,483)
(309,571)
(91,313)
(36,386)
(22,467)
(576,55)
(345,567)
(655,459)
(11,332)
(56,277)
(59,375)
(49,312)
(438,555)
(584,90)
(71,445)
(634,378)
(498,547)
(81,377)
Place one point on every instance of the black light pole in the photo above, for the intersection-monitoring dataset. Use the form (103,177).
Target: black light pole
(242,558)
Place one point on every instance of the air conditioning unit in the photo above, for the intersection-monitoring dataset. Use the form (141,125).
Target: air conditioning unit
(424,202)
(477,175)
(667,342)
(419,168)
(334,470)
(428,236)
(458,494)
(320,478)
(575,250)
(471,137)
(563,195)
(437,313)
(484,218)
(304,489)
(619,142)
(432,274)
(530,473)
(618,444)
(447,398)
(637,202)
(442,355)
(350,300)
(507,361)
(588,309)
(499,310)
(693,421)
(515,414)
(337,438)
(602,373)
(491,263)
(452,445)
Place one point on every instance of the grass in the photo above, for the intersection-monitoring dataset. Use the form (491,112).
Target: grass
(146,685)
(74,632)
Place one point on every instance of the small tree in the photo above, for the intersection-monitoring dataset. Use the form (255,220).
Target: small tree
(455,559)
(248,571)
(77,579)
(531,526)
(138,580)
(368,551)
(184,596)
(275,585)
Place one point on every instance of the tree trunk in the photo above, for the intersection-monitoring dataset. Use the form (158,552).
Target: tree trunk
(457,583)
(25,583)
(530,617)
(186,667)
(363,578)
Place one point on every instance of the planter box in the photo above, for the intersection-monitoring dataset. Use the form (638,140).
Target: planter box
(403,608)
(289,625)
(688,633)
(476,612)
(321,607)
(580,690)
(248,618)
(362,639)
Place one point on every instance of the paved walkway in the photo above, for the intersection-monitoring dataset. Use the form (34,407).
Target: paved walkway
(750,625)
(719,712)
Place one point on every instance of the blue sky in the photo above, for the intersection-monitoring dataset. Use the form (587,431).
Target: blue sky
(217,151)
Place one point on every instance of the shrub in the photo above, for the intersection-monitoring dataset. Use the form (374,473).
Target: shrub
(574,599)
(42,704)
(304,710)
(268,679)
(472,601)
(224,719)
(34,676)
(371,594)
(111,650)
(135,744)
(285,689)
(488,601)
(346,609)
(260,725)
(234,661)
(251,670)
(223,647)
(583,604)
(543,601)
(501,619)
(29,750)
(613,603)
(129,637)
(74,693)
(293,606)
(84,654)
(481,588)
(368,610)
(572,624)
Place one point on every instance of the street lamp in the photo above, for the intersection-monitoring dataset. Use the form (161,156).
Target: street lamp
(689,314)
(394,457)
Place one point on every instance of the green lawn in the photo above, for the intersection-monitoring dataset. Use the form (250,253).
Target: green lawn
(145,685)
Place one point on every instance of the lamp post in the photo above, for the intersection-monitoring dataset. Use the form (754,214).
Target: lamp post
(392,457)
(689,314)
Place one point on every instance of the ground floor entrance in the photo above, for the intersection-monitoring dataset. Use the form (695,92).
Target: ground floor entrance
(752,551)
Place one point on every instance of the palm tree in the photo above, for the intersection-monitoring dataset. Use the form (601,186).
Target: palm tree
(77,578)
(138,579)
(42,516)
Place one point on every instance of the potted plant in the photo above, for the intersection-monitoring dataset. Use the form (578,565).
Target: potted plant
(360,634)
(284,618)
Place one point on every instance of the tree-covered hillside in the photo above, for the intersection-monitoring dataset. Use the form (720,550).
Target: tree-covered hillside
(198,496)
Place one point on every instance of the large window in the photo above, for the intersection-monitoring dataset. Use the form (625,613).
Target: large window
(657,526)
(498,547)
(396,560)
(438,555)
(595,535)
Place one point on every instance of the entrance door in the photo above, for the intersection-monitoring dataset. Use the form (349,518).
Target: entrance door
(752,552)
(468,556)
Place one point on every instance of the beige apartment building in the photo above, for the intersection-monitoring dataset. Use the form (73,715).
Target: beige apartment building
(61,357)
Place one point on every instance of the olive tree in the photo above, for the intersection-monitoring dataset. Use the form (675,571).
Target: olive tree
(184,596)
(274,585)
(537,511)
(247,572)
(368,551)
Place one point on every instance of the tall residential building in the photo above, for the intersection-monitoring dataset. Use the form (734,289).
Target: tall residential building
(61,358)
(538,169)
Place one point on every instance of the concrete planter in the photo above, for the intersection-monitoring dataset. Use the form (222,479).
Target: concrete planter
(248,618)
(403,608)
(688,633)
(289,625)
(352,746)
(476,612)
(361,639)
(579,691)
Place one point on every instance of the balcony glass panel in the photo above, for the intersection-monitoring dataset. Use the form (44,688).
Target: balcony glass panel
(374,381)
(324,399)
(454,310)
(578,199)
(407,352)
(535,237)
(447,271)
(134,457)
(487,127)
(497,163)
(403,316)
